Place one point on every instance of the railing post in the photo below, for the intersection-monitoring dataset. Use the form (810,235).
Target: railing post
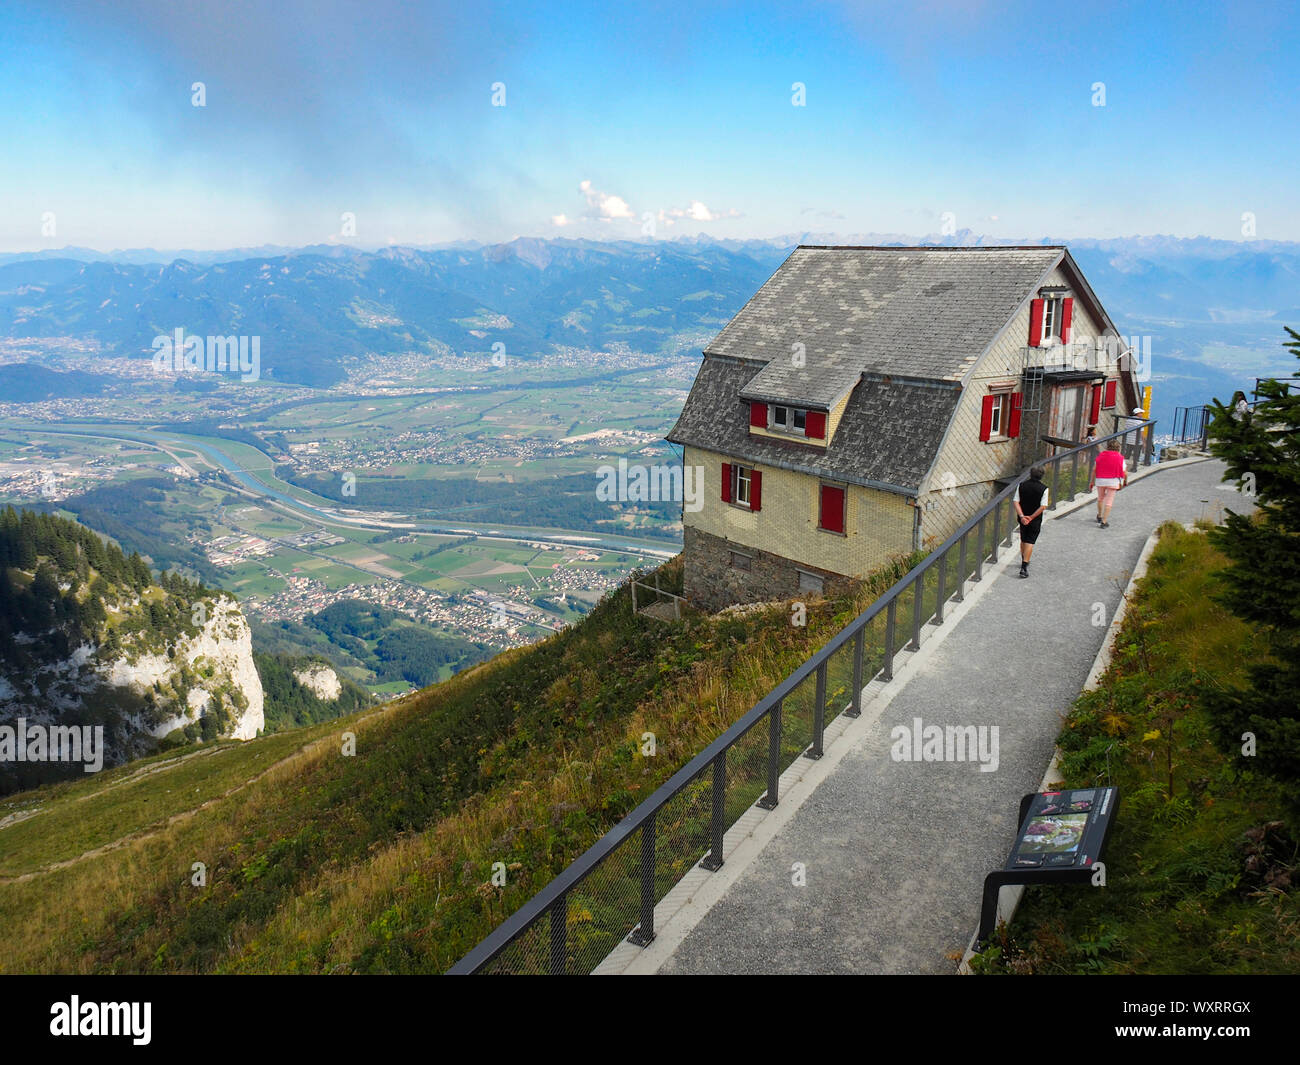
(769,801)
(961,570)
(979,550)
(560,936)
(819,715)
(891,614)
(918,596)
(997,531)
(713,860)
(1151,445)
(859,650)
(1074,475)
(940,594)
(644,933)
(1056,484)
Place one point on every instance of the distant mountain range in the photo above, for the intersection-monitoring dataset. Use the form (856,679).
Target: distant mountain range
(1214,309)
(314,312)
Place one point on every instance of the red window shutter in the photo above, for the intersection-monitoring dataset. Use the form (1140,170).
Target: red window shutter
(1035,324)
(1108,399)
(726,482)
(815,425)
(986,417)
(1017,401)
(1096,404)
(758,415)
(755,490)
(832,504)
(1067,312)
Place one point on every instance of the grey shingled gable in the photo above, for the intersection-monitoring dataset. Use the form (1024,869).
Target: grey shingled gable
(887,438)
(923,312)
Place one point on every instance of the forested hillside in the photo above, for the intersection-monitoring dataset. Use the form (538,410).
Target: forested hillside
(89,637)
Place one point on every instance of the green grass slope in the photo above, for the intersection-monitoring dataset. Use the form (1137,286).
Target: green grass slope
(289,854)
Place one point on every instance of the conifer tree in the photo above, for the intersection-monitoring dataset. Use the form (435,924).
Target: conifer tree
(1261,448)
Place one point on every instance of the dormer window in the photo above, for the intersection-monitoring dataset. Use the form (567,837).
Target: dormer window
(792,421)
(789,420)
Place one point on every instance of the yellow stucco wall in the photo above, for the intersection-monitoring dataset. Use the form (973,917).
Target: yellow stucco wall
(878,526)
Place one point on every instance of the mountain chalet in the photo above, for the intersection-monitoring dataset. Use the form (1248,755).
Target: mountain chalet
(868,400)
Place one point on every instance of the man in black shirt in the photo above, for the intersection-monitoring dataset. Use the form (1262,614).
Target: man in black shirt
(1031,501)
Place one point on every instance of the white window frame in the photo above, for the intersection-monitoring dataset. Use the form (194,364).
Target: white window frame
(1053,308)
(795,423)
(740,475)
(1001,412)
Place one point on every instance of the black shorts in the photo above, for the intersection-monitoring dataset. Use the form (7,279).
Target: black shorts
(1029,533)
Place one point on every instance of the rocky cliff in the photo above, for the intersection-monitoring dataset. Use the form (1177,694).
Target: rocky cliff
(91,639)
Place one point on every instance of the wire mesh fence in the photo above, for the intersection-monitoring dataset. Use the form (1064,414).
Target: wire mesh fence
(682,831)
(746,771)
(605,906)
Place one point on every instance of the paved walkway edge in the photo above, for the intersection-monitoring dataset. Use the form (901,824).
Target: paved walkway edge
(1009,897)
(681,910)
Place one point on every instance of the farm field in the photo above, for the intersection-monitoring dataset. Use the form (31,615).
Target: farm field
(321,499)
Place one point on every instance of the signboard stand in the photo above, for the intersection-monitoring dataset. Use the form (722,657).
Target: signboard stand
(1062,834)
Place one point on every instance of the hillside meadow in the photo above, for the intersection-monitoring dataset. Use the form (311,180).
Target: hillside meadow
(380,862)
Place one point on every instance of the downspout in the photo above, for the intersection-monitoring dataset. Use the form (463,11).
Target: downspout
(916,525)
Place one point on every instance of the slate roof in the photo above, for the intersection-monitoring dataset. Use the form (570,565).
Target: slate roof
(916,312)
(887,438)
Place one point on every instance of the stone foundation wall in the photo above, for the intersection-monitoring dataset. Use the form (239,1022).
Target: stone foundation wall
(712,582)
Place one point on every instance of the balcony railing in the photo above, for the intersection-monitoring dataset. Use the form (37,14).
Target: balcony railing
(609,894)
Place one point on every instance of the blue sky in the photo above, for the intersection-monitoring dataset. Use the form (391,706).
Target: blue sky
(682,112)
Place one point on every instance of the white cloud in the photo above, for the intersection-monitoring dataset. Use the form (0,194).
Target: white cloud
(696,212)
(561,220)
(606,205)
(822,212)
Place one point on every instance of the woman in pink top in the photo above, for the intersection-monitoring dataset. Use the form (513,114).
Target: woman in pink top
(1110,474)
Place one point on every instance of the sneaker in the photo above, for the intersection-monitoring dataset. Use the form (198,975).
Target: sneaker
(1105,525)
(1024,571)
(1099,521)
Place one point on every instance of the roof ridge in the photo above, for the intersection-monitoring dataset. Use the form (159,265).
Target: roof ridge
(934,247)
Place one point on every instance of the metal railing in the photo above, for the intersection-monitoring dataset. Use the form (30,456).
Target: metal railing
(657,596)
(1191,426)
(608,895)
